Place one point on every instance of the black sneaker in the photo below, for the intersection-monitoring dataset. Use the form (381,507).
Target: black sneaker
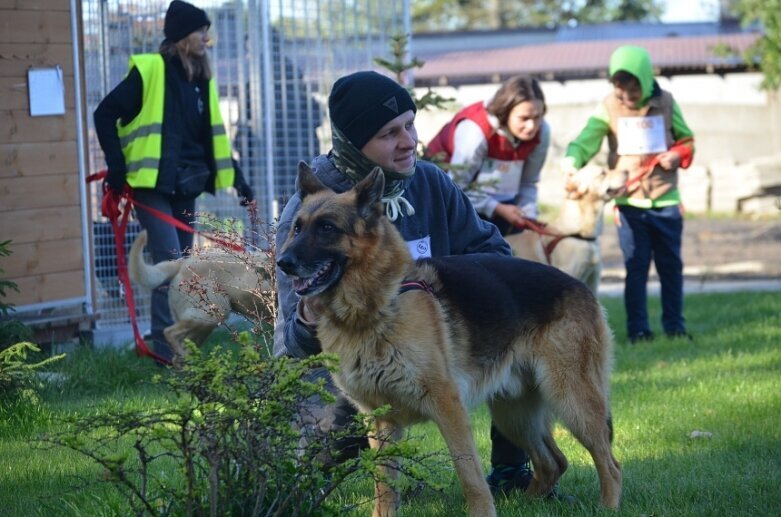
(645,335)
(503,479)
(675,334)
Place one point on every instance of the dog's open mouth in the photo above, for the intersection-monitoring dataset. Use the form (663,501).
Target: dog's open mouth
(318,282)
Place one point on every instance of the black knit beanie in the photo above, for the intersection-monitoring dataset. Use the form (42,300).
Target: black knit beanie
(182,19)
(362,102)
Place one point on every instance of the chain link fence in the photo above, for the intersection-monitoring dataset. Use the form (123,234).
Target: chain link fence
(274,62)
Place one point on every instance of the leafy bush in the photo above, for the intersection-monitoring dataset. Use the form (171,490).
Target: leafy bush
(17,376)
(226,445)
(20,401)
(231,439)
(11,330)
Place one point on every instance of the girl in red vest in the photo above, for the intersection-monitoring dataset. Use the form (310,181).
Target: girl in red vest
(497,149)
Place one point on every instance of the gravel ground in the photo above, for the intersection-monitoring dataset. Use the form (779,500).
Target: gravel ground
(717,249)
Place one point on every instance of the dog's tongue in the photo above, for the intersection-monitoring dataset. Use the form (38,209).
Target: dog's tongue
(300,284)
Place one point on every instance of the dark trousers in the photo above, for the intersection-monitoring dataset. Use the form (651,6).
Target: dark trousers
(645,235)
(503,452)
(165,242)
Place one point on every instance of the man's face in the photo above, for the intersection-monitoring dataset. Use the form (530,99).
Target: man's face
(628,93)
(393,146)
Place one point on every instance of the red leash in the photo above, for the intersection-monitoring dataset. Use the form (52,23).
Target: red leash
(179,224)
(119,218)
(681,147)
(110,208)
(684,150)
(541,229)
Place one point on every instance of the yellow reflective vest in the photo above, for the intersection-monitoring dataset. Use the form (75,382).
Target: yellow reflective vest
(142,137)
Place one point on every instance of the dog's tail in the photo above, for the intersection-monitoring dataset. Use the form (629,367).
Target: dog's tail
(149,275)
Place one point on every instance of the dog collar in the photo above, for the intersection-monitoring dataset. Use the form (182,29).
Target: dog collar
(412,285)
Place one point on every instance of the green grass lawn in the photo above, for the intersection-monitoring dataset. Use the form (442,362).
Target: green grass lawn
(726,384)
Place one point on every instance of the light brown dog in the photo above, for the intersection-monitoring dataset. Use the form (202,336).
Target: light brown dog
(205,288)
(525,338)
(570,241)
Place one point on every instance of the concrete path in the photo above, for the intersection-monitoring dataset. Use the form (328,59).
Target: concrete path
(616,289)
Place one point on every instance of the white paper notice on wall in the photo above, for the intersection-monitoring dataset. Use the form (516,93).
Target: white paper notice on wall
(47,91)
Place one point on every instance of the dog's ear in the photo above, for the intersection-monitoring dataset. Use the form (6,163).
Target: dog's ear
(307,182)
(368,194)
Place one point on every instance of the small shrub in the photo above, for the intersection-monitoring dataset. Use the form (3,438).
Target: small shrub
(16,374)
(229,439)
(226,444)
(13,331)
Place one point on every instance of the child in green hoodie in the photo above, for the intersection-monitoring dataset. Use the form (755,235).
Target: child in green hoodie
(648,140)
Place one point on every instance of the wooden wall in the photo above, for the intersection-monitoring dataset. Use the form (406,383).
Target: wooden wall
(39,177)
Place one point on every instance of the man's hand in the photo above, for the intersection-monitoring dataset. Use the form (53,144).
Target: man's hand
(308,310)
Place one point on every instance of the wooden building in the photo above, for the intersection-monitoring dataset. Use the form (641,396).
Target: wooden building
(41,191)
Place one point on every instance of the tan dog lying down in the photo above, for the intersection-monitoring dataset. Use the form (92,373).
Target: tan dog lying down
(580,222)
(205,288)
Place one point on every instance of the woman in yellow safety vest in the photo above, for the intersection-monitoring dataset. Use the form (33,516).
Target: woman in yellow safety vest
(162,133)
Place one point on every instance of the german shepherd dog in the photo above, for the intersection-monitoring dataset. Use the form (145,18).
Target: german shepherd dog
(524,337)
(205,288)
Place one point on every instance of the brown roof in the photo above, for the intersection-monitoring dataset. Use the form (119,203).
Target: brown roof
(574,59)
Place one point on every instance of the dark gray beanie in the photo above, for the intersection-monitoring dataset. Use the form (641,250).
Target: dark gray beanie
(362,102)
(182,19)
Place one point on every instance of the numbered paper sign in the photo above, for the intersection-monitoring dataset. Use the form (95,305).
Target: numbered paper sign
(641,135)
(500,178)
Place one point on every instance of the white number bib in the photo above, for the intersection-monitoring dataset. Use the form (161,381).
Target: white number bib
(420,248)
(641,135)
(500,178)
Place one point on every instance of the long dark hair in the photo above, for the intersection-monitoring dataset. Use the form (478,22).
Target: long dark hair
(513,92)
(196,67)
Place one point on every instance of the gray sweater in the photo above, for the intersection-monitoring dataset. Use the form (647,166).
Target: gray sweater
(444,223)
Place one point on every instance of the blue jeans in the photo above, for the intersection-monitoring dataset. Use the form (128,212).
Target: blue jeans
(165,242)
(646,234)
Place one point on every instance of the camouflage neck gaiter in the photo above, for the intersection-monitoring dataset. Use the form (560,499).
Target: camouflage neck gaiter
(356,166)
